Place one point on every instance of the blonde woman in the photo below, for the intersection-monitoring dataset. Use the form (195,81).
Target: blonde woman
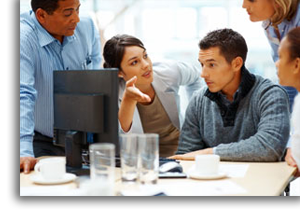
(288,67)
(279,17)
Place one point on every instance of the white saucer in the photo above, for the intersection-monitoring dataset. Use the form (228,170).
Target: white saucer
(195,175)
(38,179)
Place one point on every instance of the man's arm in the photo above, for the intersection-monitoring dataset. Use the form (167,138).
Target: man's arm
(190,136)
(27,97)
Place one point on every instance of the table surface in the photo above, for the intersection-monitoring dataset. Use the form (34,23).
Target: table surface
(261,179)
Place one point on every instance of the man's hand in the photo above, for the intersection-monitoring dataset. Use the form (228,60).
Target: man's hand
(191,155)
(27,163)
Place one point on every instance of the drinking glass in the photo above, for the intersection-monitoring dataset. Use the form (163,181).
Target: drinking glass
(149,158)
(102,168)
(129,157)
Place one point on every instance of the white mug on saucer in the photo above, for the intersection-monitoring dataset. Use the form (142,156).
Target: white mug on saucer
(51,168)
(207,164)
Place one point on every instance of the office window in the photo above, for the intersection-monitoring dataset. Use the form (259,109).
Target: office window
(171,29)
(211,18)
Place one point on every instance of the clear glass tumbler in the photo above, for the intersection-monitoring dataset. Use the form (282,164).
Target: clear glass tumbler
(129,157)
(102,167)
(149,158)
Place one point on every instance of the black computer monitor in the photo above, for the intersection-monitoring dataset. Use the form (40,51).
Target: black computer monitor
(85,111)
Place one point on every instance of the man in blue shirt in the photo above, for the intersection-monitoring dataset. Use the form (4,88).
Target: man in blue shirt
(52,37)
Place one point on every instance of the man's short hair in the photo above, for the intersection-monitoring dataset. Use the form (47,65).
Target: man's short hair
(48,5)
(230,43)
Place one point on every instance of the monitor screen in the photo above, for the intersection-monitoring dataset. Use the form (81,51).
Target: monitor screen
(85,110)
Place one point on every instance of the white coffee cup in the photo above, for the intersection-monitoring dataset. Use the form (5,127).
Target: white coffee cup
(51,168)
(207,164)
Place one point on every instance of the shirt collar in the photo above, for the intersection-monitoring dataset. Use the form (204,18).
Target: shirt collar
(266,24)
(224,99)
(43,35)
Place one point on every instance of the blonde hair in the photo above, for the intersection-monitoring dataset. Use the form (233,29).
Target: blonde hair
(284,9)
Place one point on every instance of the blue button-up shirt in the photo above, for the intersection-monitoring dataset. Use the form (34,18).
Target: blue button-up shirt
(40,54)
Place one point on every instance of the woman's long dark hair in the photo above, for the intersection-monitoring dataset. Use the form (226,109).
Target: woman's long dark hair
(114,49)
(293,37)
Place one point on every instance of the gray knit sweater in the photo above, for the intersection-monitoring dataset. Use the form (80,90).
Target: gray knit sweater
(254,127)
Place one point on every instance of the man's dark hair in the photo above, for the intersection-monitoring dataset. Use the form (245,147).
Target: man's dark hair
(114,49)
(48,5)
(230,43)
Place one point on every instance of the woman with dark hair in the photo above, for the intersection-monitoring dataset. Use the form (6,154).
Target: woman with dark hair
(148,93)
(288,67)
(279,17)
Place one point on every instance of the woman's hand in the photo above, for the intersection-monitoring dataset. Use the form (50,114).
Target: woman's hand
(291,162)
(289,158)
(133,93)
(131,97)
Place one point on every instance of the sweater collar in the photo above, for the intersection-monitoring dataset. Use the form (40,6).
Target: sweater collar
(247,82)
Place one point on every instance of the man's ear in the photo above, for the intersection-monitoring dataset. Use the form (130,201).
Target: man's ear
(41,15)
(237,63)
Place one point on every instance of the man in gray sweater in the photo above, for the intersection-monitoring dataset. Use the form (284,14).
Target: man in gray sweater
(238,116)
